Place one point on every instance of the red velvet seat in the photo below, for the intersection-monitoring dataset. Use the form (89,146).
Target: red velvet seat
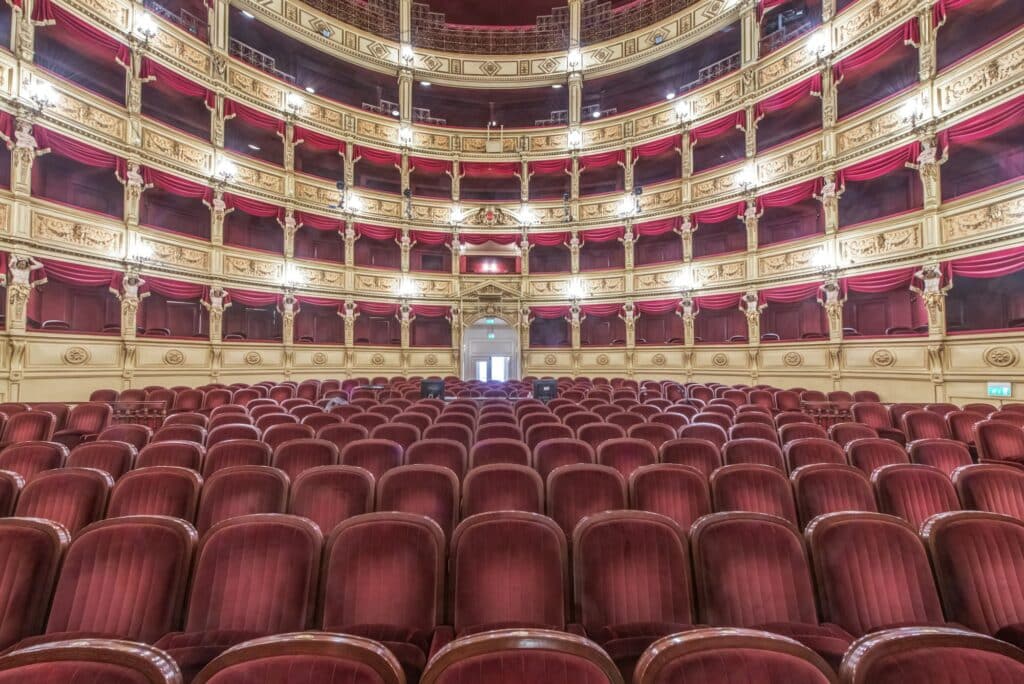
(625,420)
(537,433)
(998,440)
(83,422)
(236,452)
(276,435)
(73,497)
(961,425)
(787,433)
(844,433)
(342,434)
(674,420)
(872,453)
(427,490)
(713,418)
(186,418)
(35,547)
(752,571)
(328,495)
(810,450)
(383,579)
(753,488)
(553,453)
(653,433)
(375,455)
(596,434)
(345,411)
(460,433)
(156,490)
(507,569)
(632,582)
(791,418)
(706,431)
(11,485)
(254,575)
(136,435)
(414,418)
(626,454)
(441,452)
(992,487)
(123,578)
(28,426)
(320,420)
(305,658)
(171,453)
(701,454)
(910,656)
(31,458)
(238,491)
(578,490)
(223,433)
(180,433)
(945,454)
(368,420)
(1015,417)
(731,656)
(493,451)
(499,431)
(298,455)
(89,660)
(578,419)
(822,488)
(754,431)
(114,458)
(872,573)
(753,450)
(676,491)
(520,656)
(920,424)
(914,492)
(502,487)
(396,432)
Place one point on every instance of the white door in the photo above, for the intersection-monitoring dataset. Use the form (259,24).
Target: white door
(490,351)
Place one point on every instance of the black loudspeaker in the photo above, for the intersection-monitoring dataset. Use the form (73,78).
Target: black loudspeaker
(432,388)
(545,390)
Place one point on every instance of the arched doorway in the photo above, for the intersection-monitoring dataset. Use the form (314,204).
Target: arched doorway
(490,350)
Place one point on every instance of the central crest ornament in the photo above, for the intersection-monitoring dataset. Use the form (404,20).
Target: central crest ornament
(491,216)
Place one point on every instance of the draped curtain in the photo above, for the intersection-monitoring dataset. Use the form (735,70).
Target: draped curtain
(789,294)
(77,274)
(253,117)
(377,308)
(253,298)
(489,170)
(719,214)
(549,167)
(377,232)
(317,222)
(602,234)
(430,310)
(549,312)
(788,97)
(656,147)
(601,310)
(496,238)
(872,283)
(318,141)
(176,185)
(658,226)
(717,302)
(377,157)
(657,306)
(176,290)
(325,302)
(153,70)
(434,167)
(879,166)
(907,34)
(46,12)
(78,151)
(713,129)
(986,124)
(794,194)
(602,159)
(547,239)
(993,265)
(252,207)
(429,237)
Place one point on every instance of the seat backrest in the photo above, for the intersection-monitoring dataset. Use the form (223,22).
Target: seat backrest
(136,435)
(327,495)
(753,488)
(402,433)
(73,497)
(631,567)
(156,490)
(383,569)
(701,454)
(508,568)
(751,569)
(596,434)
(255,573)
(114,458)
(753,450)
(236,452)
(36,547)
(978,559)
(731,656)
(276,435)
(375,455)
(223,433)
(872,571)
(922,424)
(844,433)
(992,487)
(441,452)
(914,492)
(30,458)
(654,433)
(753,430)
(298,455)
(124,578)
(626,454)
(578,490)
(171,453)
(999,440)
(238,491)
(427,490)
(712,433)
(552,453)
(810,450)
(342,434)
(676,491)
(460,433)
(787,433)
(945,454)
(870,454)
(822,488)
(89,660)
(29,426)
(502,487)
(499,450)
(187,433)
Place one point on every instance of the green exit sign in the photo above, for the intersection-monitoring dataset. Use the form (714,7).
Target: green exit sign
(1002,390)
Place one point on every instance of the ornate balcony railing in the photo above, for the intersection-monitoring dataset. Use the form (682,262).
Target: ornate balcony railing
(379,17)
(602,22)
(183,18)
(260,60)
(788,32)
(431,30)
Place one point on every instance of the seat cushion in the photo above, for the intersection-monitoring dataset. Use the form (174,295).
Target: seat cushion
(410,646)
(827,640)
(626,643)
(192,651)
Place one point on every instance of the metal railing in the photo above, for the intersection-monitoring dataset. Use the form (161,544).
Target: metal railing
(431,30)
(787,33)
(260,60)
(601,21)
(379,17)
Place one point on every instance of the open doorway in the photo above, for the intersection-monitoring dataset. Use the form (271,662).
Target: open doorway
(490,351)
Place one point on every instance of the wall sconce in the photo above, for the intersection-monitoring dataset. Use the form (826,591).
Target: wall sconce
(575,138)
(405,54)
(292,276)
(576,290)
(683,111)
(455,216)
(818,45)
(140,252)
(526,216)
(293,103)
(42,94)
(405,135)
(630,204)
(145,27)
(747,178)
(574,59)
(825,263)
(225,171)
(686,281)
(913,112)
(405,287)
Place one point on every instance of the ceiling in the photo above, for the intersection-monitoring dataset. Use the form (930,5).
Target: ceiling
(493,12)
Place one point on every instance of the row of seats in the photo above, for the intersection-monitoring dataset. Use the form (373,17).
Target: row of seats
(634,578)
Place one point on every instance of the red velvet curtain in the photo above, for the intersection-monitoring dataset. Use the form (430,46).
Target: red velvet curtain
(719,214)
(430,237)
(549,311)
(175,289)
(434,167)
(908,33)
(718,302)
(986,124)
(657,306)
(318,141)
(602,159)
(489,170)
(788,97)
(789,294)
(940,10)
(317,222)
(377,232)
(7,126)
(496,238)
(377,157)
(886,281)
(321,301)
(794,194)
(253,117)
(172,79)
(548,239)
(602,234)
(176,185)
(48,12)
(658,226)
(550,167)
(656,147)
(713,129)
(992,265)
(377,308)
(252,207)
(253,298)
(77,274)
(601,310)
(879,166)
(430,310)
(79,151)
(766,5)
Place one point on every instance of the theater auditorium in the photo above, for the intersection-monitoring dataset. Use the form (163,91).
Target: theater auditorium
(532,342)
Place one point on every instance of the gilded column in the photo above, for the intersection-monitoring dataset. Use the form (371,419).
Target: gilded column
(130,300)
(288,140)
(524,254)
(933,292)
(750,32)
(627,169)
(829,198)
(456,174)
(627,241)
(456,248)
(628,317)
(350,237)
(929,168)
(217,118)
(750,142)
(133,93)
(405,320)
(405,95)
(289,225)
(348,165)
(750,220)
(134,186)
(23,31)
(23,156)
(686,152)
(575,318)
(750,308)
(829,110)
(688,312)
(216,306)
(524,180)
(831,299)
(219,18)
(456,324)
(288,312)
(574,253)
(405,244)
(927,58)
(686,230)
(349,318)
(218,212)
(19,287)
(575,99)
(828,10)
